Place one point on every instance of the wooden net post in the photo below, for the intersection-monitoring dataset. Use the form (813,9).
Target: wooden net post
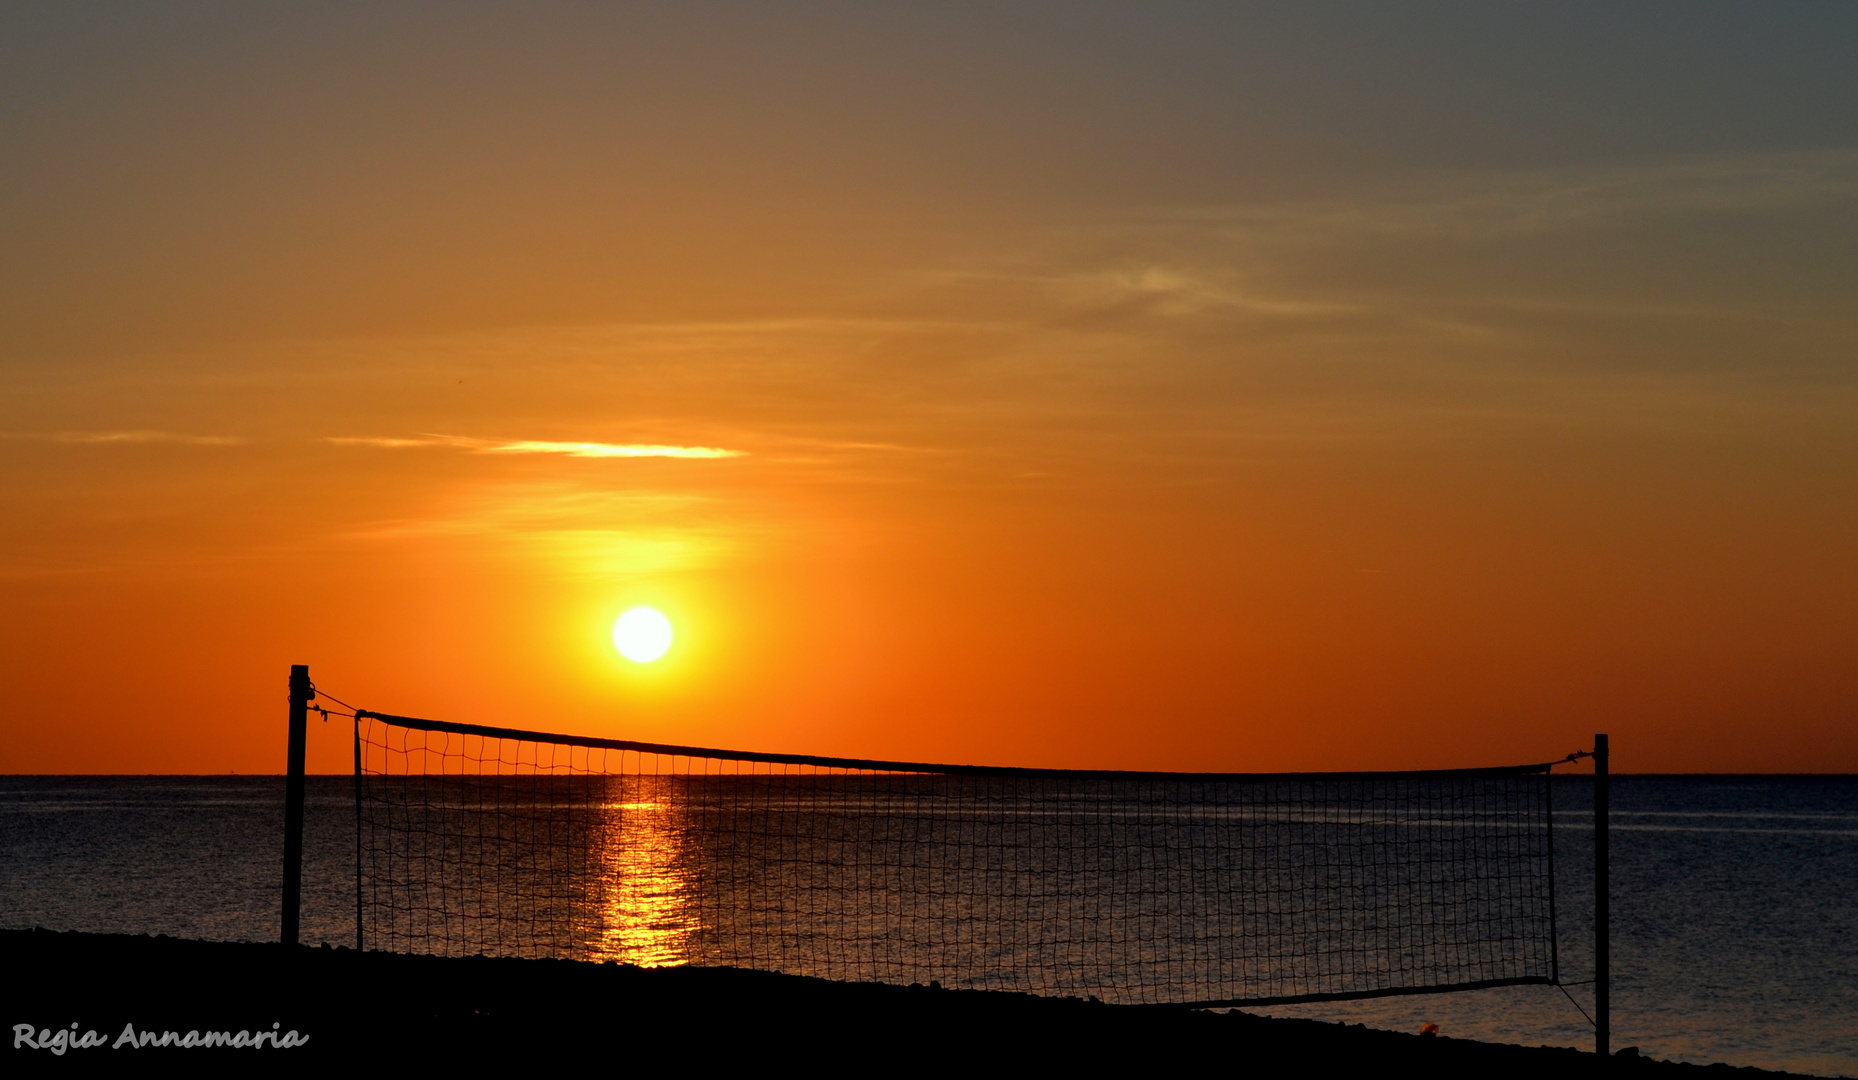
(1602,945)
(300,696)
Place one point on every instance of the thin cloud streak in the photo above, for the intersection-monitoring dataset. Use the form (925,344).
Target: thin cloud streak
(95,438)
(382,444)
(610,450)
(1501,204)
(537,446)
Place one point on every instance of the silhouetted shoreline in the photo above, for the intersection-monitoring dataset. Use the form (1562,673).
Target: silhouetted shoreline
(376,1006)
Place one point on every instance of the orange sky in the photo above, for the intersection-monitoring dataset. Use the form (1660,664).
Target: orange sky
(1183,388)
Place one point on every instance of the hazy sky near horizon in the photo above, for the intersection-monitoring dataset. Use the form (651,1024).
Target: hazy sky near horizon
(1208,386)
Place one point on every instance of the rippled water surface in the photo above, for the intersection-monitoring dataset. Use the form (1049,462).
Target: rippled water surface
(1735,928)
(1735,931)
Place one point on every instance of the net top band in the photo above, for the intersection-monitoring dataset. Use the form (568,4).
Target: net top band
(874,765)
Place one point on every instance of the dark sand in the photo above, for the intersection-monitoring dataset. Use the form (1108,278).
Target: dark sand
(546,1014)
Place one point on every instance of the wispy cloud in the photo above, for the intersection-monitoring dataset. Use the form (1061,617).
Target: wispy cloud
(1166,290)
(537,446)
(1498,205)
(385,444)
(106,437)
(610,450)
(576,530)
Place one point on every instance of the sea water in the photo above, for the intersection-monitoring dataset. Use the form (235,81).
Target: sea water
(1734,930)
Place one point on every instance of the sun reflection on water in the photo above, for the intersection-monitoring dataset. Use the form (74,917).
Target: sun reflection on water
(646,912)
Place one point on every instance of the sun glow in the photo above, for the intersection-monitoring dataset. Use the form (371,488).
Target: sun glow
(642,635)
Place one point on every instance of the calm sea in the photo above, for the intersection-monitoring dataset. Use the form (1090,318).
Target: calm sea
(1735,902)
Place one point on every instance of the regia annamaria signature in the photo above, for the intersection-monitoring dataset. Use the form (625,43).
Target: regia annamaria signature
(68,1039)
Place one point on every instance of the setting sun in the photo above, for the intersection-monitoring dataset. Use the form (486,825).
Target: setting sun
(642,635)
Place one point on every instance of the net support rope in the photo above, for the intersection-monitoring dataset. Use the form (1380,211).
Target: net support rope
(1187,888)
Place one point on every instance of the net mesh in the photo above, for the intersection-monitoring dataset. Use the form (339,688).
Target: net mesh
(1128,887)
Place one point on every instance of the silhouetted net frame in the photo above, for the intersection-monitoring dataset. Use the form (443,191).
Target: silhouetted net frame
(1197,889)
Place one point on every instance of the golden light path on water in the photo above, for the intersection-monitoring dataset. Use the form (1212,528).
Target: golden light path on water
(647,911)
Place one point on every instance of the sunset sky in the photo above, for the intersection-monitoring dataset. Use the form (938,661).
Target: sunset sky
(1183,386)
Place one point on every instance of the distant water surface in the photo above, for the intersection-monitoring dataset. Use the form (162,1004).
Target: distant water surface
(1735,901)
(1735,928)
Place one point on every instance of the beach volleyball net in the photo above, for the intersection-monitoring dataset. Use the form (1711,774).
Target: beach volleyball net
(1201,889)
